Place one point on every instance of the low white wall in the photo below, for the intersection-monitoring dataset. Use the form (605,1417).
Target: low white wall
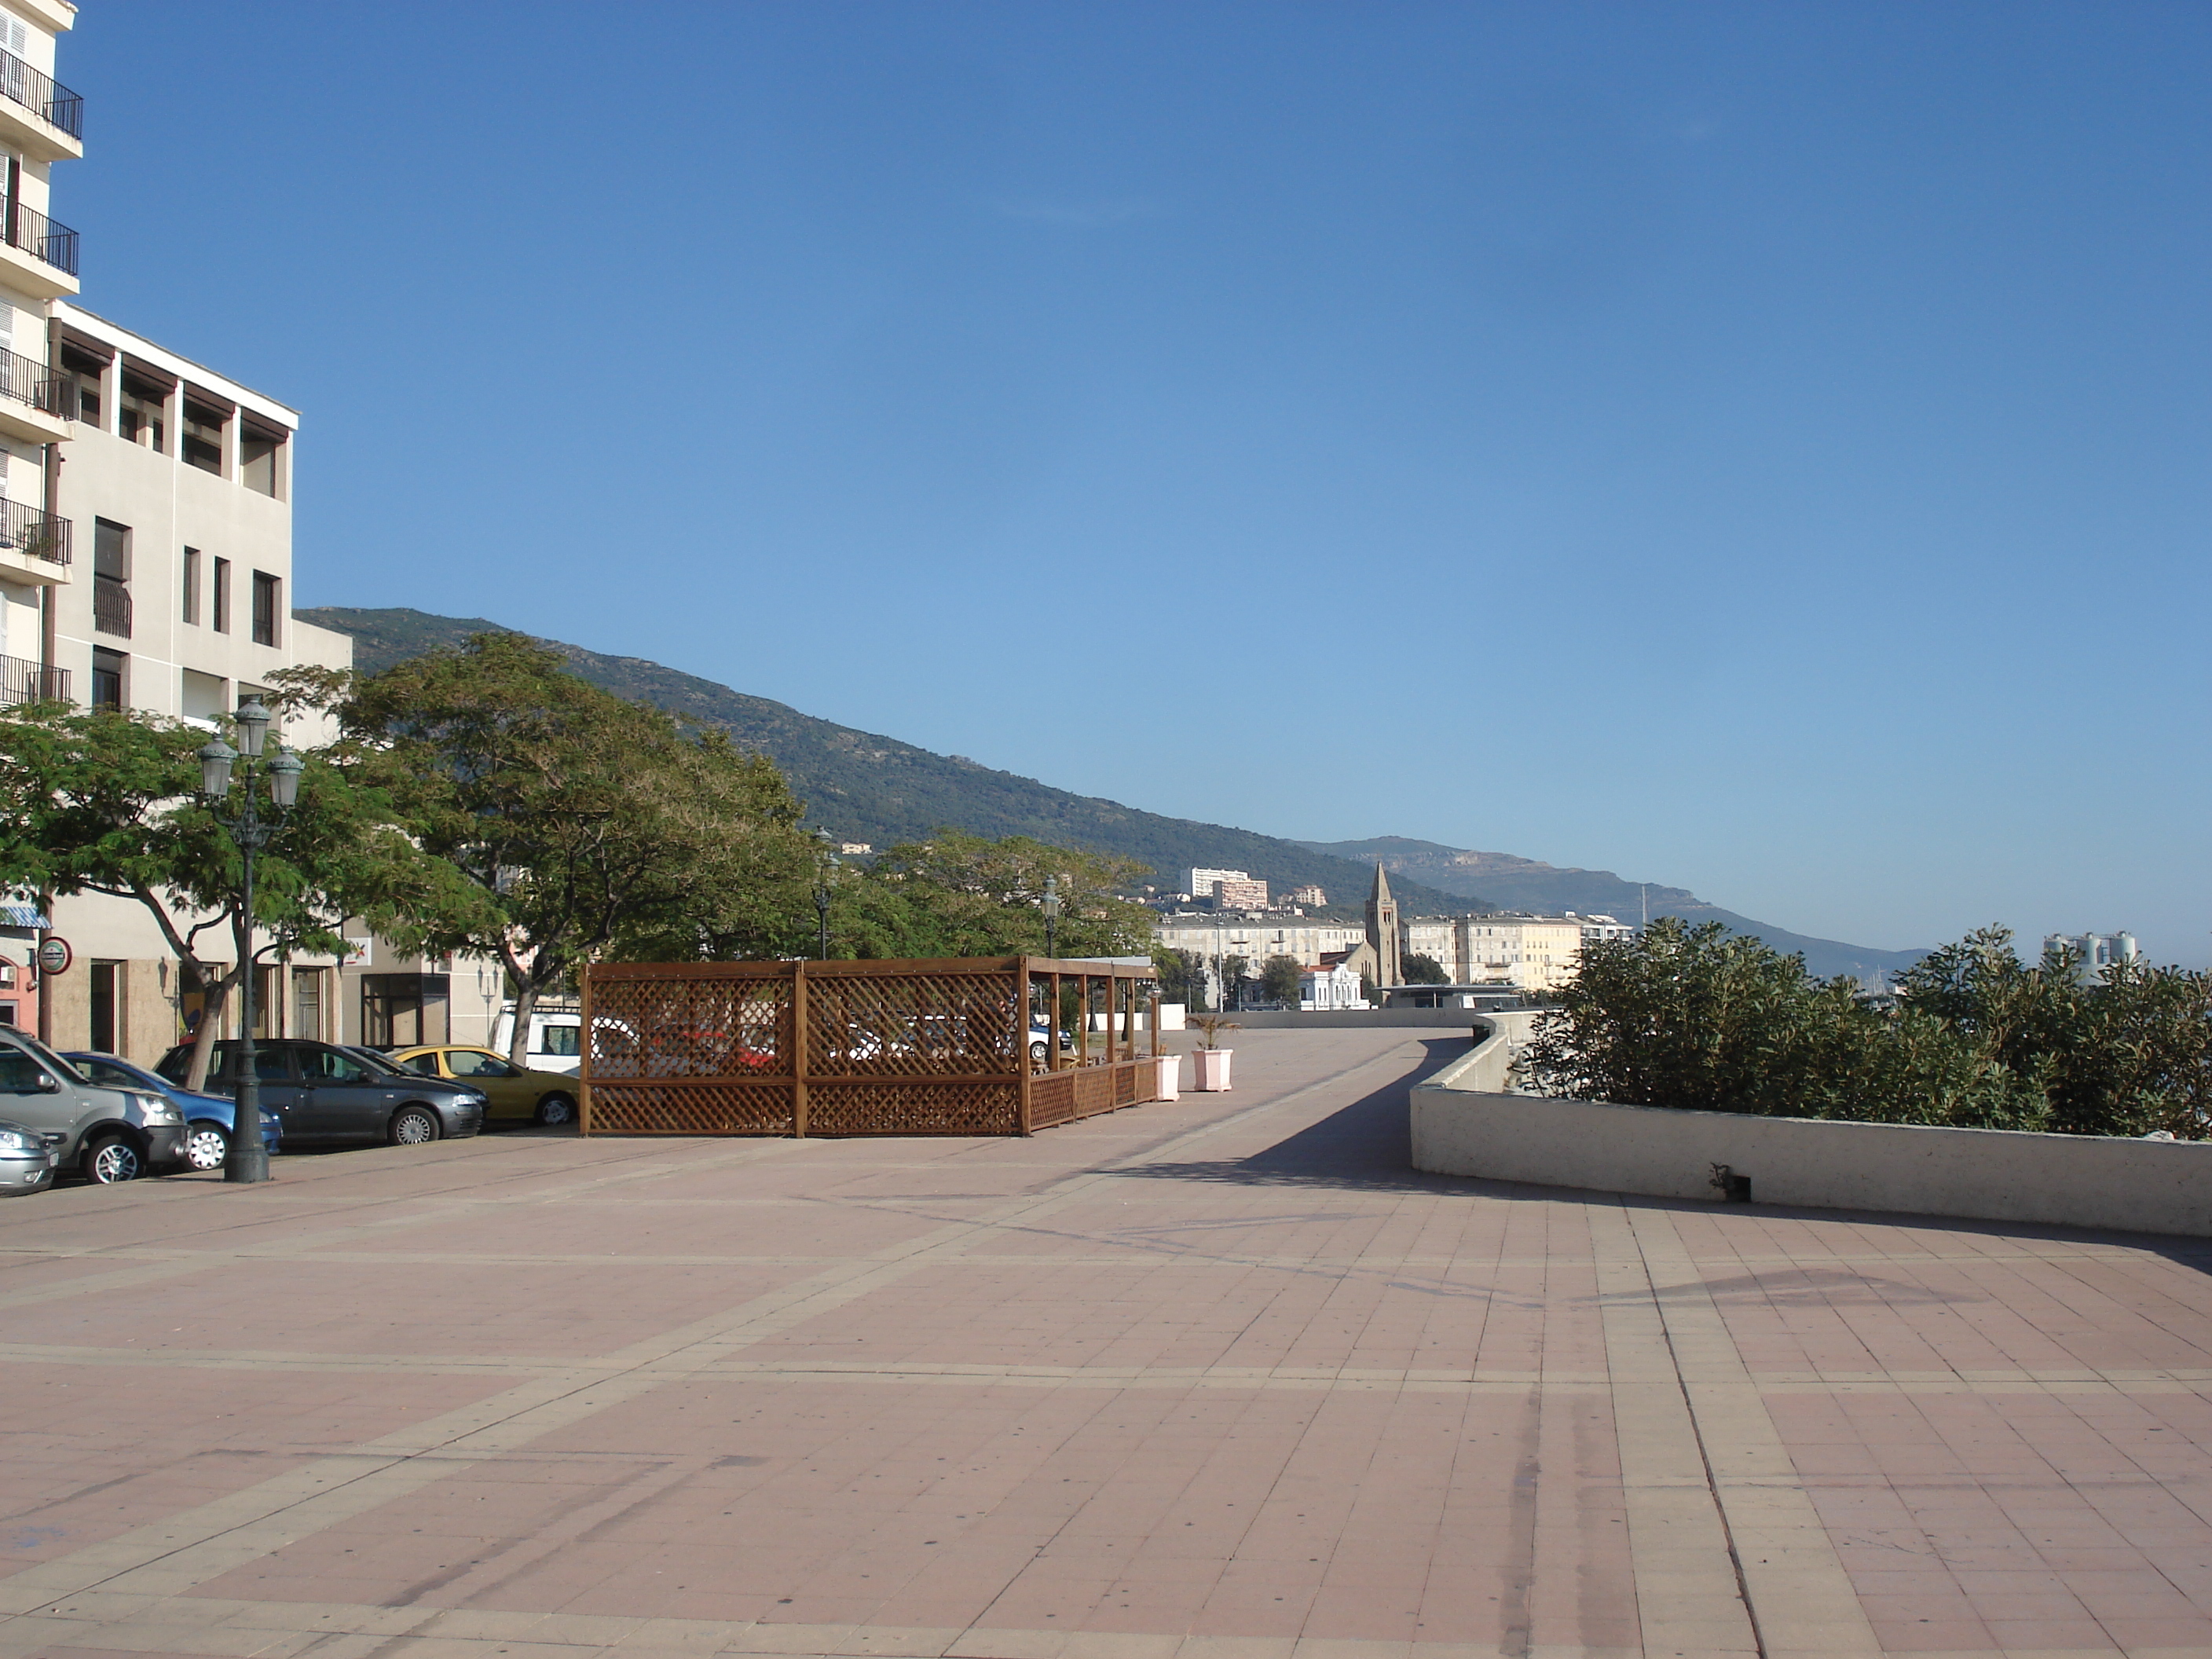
(1461,1127)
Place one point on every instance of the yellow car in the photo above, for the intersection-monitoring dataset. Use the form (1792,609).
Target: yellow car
(515,1095)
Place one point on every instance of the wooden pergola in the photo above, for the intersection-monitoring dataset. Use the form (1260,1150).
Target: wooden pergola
(824,1049)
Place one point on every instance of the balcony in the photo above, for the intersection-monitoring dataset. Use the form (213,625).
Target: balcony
(34,399)
(24,681)
(39,254)
(34,546)
(44,119)
(111,606)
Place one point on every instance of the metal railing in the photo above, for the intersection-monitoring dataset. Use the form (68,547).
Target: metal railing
(29,381)
(23,680)
(27,228)
(111,606)
(25,529)
(38,92)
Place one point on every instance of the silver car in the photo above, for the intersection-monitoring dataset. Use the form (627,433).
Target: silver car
(26,1163)
(109,1134)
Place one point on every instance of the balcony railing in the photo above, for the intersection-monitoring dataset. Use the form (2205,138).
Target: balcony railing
(24,681)
(25,529)
(29,381)
(27,228)
(111,606)
(36,92)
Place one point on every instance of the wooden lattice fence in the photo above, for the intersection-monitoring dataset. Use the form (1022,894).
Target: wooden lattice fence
(942,1048)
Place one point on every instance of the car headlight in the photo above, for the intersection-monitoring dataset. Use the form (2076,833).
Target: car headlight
(474,1099)
(15,1140)
(158,1110)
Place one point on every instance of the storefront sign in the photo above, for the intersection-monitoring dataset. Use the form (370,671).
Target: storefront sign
(54,955)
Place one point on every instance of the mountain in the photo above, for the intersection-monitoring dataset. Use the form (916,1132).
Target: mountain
(862,787)
(1524,884)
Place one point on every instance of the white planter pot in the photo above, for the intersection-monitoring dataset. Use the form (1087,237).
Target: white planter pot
(1170,1083)
(1210,1070)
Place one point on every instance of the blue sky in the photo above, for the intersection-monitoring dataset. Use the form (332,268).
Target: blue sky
(1758,447)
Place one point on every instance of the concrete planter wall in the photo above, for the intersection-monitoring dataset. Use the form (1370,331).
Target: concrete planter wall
(1987,1175)
(1210,1070)
(1170,1084)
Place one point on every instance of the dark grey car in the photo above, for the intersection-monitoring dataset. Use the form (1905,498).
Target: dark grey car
(109,1134)
(321,1092)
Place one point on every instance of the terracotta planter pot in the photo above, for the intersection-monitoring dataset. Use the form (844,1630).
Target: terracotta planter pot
(1170,1084)
(1210,1070)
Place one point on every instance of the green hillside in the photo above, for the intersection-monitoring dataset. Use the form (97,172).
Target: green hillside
(859,786)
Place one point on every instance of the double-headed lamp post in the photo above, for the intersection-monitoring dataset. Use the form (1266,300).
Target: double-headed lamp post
(1052,917)
(248,1157)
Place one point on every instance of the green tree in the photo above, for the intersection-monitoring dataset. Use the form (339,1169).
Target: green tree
(1235,970)
(958,895)
(106,801)
(1278,980)
(587,824)
(1183,977)
(1425,970)
(1696,1017)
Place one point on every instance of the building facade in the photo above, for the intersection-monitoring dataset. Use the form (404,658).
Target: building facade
(1382,933)
(1326,990)
(1212,939)
(2094,953)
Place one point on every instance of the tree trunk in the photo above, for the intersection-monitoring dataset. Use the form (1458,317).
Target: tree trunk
(526,1004)
(215,998)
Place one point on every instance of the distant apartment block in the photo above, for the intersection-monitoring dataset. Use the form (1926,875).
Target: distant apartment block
(1532,952)
(1198,884)
(1603,929)
(1246,895)
(2096,951)
(1255,941)
(1313,897)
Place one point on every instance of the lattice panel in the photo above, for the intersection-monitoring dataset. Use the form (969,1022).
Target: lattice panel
(911,1026)
(689,1027)
(692,1108)
(911,1108)
(1052,1100)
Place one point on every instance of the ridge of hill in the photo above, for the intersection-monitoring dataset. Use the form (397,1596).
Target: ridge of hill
(1526,884)
(863,786)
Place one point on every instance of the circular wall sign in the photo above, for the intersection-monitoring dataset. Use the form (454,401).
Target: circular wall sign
(54,956)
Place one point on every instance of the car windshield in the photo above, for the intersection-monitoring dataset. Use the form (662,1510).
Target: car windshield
(107,1070)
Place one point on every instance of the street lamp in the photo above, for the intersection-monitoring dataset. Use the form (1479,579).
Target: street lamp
(823,873)
(248,1157)
(1052,916)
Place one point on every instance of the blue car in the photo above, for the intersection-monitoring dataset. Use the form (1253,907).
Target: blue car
(208,1118)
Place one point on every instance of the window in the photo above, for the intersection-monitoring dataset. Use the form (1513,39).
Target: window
(192,585)
(464,1062)
(104,1001)
(427,1065)
(19,1073)
(111,578)
(261,458)
(203,445)
(306,1002)
(108,672)
(83,372)
(267,590)
(223,596)
(329,1066)
(142,410)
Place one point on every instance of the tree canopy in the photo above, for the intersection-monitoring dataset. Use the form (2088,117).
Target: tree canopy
(958,895)
(1696,1017)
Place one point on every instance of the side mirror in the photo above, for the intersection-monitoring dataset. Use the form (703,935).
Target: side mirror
(48,1084)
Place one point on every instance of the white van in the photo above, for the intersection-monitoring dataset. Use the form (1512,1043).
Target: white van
(554,1038)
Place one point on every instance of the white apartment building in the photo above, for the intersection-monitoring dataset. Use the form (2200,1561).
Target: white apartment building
(145,557)
(1198,884)
(1532,953)
(1255,941)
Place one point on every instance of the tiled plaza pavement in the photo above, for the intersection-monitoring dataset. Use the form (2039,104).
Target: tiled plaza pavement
(1219,1379)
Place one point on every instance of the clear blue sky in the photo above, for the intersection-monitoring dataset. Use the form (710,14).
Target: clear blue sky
(1760,447)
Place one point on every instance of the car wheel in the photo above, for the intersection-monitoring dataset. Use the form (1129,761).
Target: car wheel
(556,1109)
(112,1159)
(416,1125)
(206,1146)
(1037,1053)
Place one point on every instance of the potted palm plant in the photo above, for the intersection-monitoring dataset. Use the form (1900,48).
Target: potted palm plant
(1210,1065)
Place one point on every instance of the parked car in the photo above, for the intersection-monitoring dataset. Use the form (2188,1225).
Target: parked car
(515,1094)
(26,1162)
(208,1118)
(108,1135)
(322,1092)
(555,1039)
